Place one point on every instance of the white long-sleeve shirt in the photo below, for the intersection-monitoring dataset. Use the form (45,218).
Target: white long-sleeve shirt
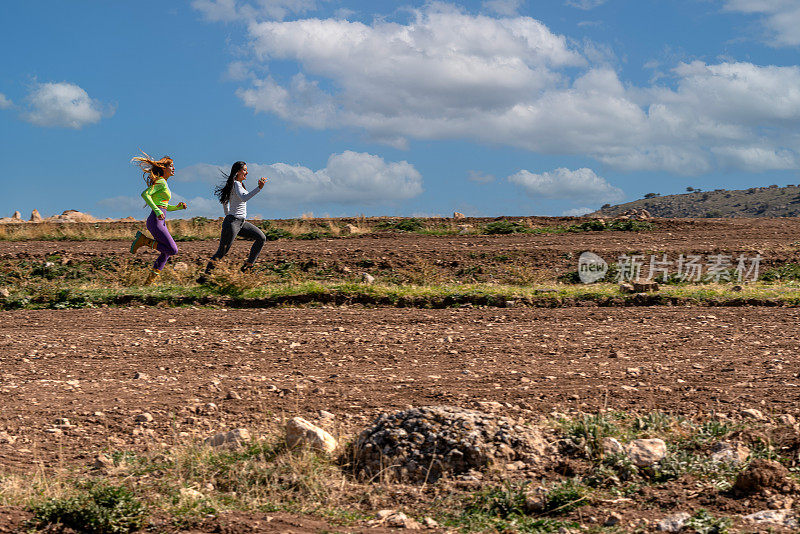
(237,204)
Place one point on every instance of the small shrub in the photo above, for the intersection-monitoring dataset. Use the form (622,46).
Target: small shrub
(657,422)
(588,226)
(100,509)
(404,225)
(789,271)
(629,225)
(503,509)
(565,497)
(313,235)
(503,502)
(703,522)
(612,470)
(503,227)
(273,233)
(589,431)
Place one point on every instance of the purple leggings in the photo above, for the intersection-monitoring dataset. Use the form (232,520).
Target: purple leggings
(165,244)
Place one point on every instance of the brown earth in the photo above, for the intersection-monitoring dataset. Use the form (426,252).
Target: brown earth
(357,363)
(776,240)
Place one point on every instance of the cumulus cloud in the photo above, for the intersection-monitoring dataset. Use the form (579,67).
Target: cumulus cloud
(449,74)
(781,18)
(580,184)
(585,4)
(755,159)
(5,102)
(348,178)
(63,105)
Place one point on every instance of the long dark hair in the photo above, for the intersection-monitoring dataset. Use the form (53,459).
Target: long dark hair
(223,191)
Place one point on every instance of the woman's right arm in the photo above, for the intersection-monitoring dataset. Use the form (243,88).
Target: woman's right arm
(246,195)
(147,195)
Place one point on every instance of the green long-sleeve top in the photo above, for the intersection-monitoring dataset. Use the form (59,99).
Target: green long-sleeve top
(157,196)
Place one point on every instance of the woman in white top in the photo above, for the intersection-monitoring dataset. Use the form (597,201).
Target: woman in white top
(233,197)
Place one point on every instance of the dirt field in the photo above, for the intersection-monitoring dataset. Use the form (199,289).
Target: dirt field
(777,240)
(201,371)
(356,363)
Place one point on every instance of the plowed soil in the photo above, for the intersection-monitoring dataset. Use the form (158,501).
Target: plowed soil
(776,240)
(83,365)
(200,371)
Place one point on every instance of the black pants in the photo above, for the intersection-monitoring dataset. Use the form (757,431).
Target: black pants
(233,226)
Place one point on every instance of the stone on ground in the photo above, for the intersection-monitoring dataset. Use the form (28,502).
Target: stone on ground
(673,523)
(783,518)
(427,443)
(730,453)
(300,432)
(612,446)
(646,452)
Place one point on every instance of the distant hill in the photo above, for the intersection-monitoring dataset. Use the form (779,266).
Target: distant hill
(772,201)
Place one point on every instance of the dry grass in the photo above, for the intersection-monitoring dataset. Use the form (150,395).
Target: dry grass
(334,229)
(67,231)
(190,480)
(524,275)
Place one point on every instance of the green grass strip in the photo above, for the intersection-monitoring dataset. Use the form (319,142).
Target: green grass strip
(418,296)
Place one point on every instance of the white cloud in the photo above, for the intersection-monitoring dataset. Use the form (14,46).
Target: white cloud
(231,10)
(348,178)
(566,184)
(448,74)
(503,7)
(442,64)
(480,177)
(577,212)
(201,172)
(585,4)
(755,159)
(780,17)
(5,102)
(63,105)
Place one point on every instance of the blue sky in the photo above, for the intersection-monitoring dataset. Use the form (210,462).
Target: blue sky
(494,107)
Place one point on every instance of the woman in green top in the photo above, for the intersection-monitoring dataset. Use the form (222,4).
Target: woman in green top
(157,195)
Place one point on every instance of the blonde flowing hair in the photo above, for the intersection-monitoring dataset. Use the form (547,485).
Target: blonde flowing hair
(152,169)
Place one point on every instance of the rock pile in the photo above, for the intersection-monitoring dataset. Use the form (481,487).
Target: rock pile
(635,213)
(427,443)
(68,216)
